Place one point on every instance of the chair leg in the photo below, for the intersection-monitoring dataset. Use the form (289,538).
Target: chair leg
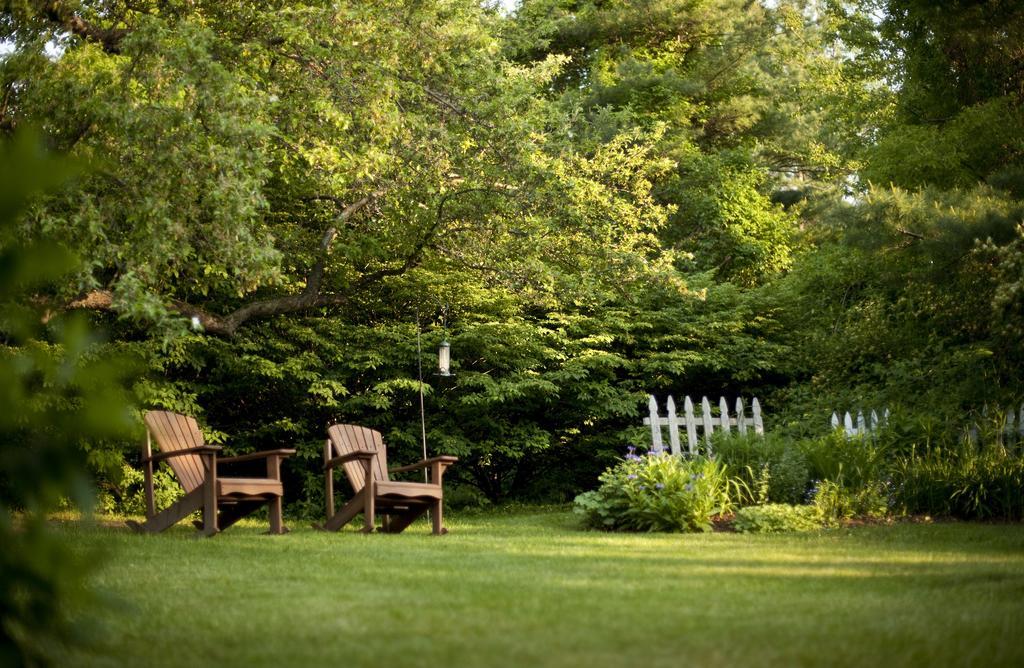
(401,520)
(276,524)
(171,515)
(369,506)
(210,524)
(343,516)
(229,513)
(435,515)
(209,488)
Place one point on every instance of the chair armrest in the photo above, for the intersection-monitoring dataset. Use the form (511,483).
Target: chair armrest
(445,460)
(201,450)
(356,454)
(263,454)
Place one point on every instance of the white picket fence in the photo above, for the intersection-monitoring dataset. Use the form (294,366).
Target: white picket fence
(1012,430)
(706,421)
(1013,426)
(862,426)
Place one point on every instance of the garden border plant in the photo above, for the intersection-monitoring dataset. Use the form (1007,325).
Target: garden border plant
(659,492)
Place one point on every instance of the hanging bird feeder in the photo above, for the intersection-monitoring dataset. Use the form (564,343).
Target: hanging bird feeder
(444,359)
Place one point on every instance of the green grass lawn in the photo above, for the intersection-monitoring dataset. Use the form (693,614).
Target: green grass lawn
(530,589)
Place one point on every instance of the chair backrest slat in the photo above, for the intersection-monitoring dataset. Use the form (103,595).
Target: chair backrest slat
(346,438)
(174,432)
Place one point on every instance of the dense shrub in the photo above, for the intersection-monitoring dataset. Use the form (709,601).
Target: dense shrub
(128,496)
(771,468)
(834,502)
(658,492)
(961,482)
(776,517)
(923,464)
(854,463)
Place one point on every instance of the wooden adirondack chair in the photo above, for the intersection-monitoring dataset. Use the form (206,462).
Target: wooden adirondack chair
(361,452)
(223,501)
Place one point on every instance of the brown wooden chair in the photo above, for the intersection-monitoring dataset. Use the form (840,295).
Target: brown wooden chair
(361,452)
(223,501)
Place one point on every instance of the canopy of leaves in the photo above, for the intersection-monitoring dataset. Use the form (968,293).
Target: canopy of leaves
(309,149)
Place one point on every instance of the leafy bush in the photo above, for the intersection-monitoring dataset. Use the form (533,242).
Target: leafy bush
(855,463)
(465,497)
(776,517)
(658,492)
(834,502)
(770,466)
(128,497)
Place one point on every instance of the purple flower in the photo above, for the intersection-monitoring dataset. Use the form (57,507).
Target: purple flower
(643,486)
(632,458)
(630,449)
(631,476)
(659,486)
(689,487)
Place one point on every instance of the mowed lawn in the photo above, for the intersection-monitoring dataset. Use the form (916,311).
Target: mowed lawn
(530,589)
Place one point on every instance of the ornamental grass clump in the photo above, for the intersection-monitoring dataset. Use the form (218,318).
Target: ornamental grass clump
(962,481)
(771,466)
(658,492)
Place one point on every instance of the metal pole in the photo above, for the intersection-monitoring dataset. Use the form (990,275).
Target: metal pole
(423,414)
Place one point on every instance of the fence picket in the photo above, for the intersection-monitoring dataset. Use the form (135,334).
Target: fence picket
(835,421)
(655,425)
(862,428)
(848,424)
(874,420)
(705,407)
(673,426)
(723,409)
(691,426)
(758,422)
(741,417)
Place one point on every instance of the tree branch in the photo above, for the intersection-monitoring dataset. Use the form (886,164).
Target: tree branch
(414,257)
(445,100)
(59,13)
(908,233)
(226,325)
(316,274)
(310,298)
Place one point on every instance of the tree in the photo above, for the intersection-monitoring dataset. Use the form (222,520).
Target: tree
(953,76)
(736,88)
(254,161)
(910,296)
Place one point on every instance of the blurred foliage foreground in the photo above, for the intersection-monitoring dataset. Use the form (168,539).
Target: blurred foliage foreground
(60,397)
